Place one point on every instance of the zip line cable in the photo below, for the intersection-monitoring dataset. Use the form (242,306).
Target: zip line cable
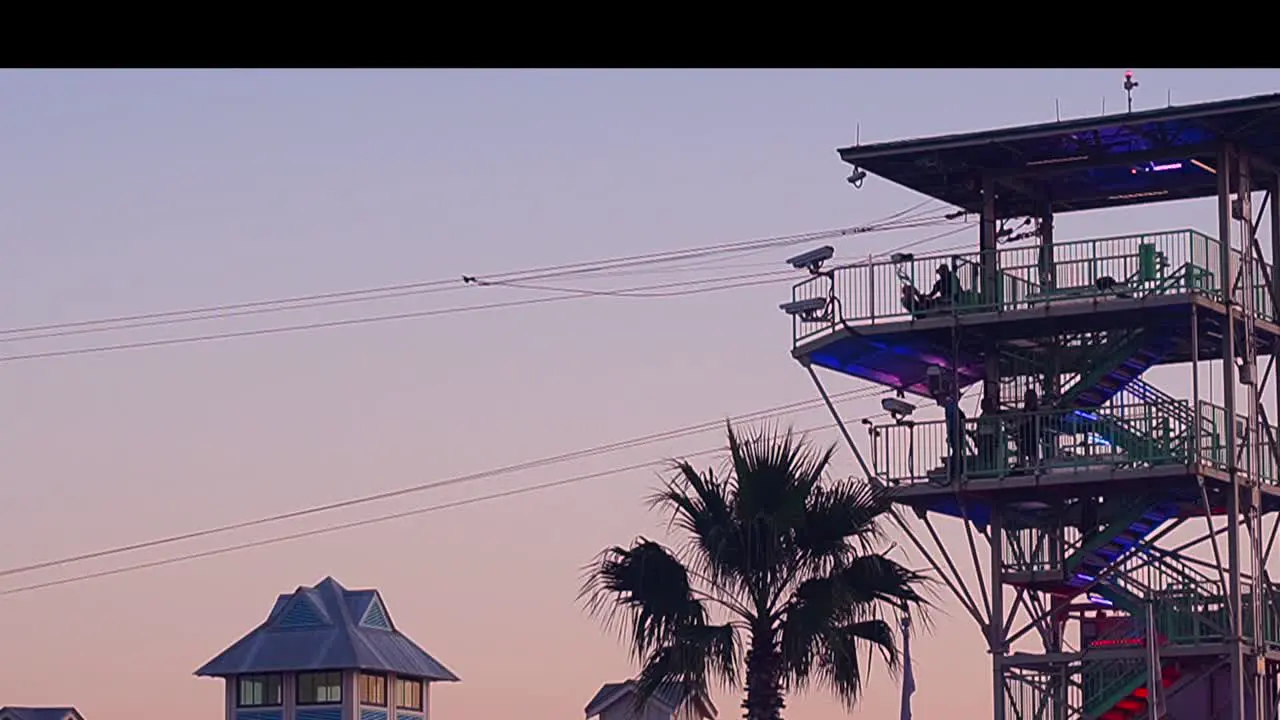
(297,303)
(687,431)
(70,331)
(475,476)
(423,287)
(642,291)
(365,320)
(319,303)
(849,395)
(570,294)
(527,489)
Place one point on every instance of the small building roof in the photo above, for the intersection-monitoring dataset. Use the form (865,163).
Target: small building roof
(669,696)
(1108,161)
(327,627)
(41,713)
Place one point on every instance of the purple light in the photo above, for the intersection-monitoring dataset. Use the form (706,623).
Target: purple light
(1152,167)
(1097,599)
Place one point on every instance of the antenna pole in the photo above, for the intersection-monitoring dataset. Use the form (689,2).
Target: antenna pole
(1129,85)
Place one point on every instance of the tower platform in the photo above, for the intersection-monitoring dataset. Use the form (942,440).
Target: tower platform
(1074,469)
(1153,281)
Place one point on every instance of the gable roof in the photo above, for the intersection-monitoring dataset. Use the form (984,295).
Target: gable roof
(33,713)
(327,627)
(668,696)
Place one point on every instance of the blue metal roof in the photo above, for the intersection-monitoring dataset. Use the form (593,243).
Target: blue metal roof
(1108,161)
(669,695)
(45,713)
(327,627)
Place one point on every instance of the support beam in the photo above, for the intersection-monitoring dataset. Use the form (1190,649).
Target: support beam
(1253,511)
(967,598)
(844,430)
(1196,409)
(988,258)
(996,639)
(1273,215)
(1227,282)
(933,564)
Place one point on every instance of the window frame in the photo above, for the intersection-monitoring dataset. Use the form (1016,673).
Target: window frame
(365,680)
(422,692)
(317,674)
(265,679)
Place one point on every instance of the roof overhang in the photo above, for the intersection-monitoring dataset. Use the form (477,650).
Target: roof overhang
(1109,161)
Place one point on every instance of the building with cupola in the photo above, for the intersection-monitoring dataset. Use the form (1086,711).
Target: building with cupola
(327,653)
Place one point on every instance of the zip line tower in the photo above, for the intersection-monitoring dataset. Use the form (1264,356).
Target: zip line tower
(1119,531)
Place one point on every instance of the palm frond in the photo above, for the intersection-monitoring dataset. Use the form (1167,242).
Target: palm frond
(700,656)
(775,471)
(788,556)
(838,657)
(826,614)
(699,505)
(863,581)
(843,518)
(775,474)
(643,592)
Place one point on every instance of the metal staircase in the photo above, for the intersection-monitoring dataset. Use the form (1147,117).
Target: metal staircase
(1119,689)
(1178,597)
(1123,574)
(1109,368)
(1149,439)
(1112,366)
(1105,548)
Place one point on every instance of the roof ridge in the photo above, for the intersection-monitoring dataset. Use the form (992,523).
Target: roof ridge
(339,643)
(343,623)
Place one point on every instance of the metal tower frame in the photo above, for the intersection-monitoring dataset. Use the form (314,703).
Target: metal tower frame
(1090,545)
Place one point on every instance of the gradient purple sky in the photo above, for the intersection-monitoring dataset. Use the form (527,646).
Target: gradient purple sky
(128,192)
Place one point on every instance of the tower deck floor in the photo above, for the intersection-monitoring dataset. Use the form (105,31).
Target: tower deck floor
(898,353)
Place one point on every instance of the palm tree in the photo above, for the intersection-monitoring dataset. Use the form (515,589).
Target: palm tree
(775,556)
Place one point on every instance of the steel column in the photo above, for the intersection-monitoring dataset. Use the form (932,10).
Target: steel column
(996,632)
(990,278)
(1253,516)
(1227,285)
(1197,409)
(1273,215)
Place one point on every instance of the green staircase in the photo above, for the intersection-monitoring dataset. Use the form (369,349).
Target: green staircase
(1117,689)
(1128,527)
(1182,414)
(1113,365)
(1150,438)
(1185,603)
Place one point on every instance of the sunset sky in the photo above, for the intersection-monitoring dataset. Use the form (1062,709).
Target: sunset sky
(126,193)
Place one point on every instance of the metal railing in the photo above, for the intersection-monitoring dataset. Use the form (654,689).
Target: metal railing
(1133,430)
(1052,440)
(1183,614)
(1178,261)
(1212,442)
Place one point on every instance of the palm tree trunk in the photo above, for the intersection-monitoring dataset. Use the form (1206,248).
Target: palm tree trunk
(764,685)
